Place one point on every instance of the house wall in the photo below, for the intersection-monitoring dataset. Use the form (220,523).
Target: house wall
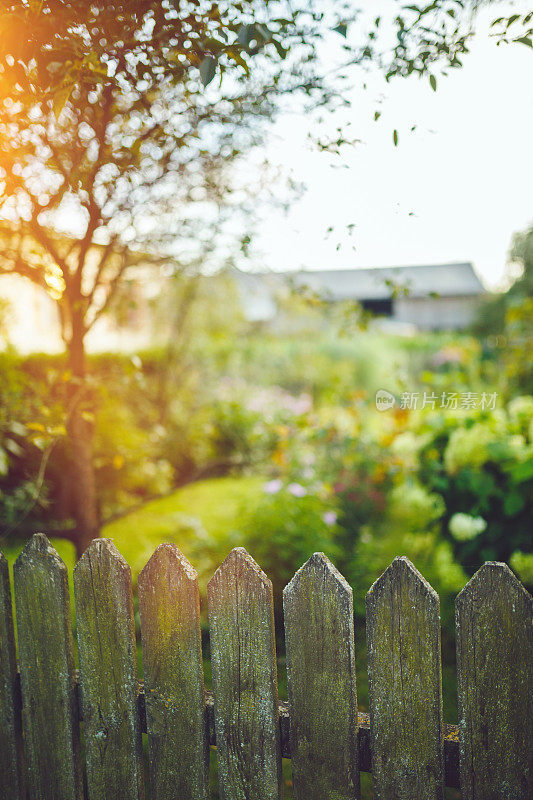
(33,322)
(34,327)
(436,313)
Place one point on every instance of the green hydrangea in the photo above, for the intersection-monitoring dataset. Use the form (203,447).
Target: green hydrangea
(467,447)
(521,414)
(407,446)
(414,507)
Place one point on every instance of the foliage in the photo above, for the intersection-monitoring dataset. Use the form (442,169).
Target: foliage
(30,428)
(199,518)
(516,354)
(522,563)
(285,527)
(113,160)
(482,466)
(505,320)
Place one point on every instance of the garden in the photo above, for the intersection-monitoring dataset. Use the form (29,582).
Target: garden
(286,454)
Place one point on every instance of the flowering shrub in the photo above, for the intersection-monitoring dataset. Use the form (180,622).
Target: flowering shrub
(448,488)
(292,522)
(482,466)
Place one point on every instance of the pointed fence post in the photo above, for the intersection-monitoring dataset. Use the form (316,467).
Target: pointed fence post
(51,733)
(243,657)
(494,639)
(319,635)
(169,606)
(108,674)
(11,778)
(404,668)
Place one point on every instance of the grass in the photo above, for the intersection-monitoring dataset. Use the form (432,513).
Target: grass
(215,504)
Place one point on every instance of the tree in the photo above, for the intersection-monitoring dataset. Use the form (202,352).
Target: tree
(491,318)
(109,140)
(505,320)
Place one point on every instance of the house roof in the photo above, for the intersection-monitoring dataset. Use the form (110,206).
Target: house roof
(449,280)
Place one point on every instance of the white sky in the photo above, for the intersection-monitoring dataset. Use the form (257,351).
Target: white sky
(454,190)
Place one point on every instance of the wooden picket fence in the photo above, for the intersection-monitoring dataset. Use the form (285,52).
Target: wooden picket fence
(66,737)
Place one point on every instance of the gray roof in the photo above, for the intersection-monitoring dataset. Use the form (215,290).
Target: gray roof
(379,283)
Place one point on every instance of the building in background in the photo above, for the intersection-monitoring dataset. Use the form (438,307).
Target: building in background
(432,297)
(404,299)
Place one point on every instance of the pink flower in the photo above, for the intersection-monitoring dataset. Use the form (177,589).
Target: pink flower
(330,517)
(297,490)
(273,487)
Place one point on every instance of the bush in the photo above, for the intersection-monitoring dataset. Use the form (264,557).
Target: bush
(283,530)
(481,463)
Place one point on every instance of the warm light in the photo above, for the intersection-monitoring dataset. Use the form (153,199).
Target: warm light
(55,283)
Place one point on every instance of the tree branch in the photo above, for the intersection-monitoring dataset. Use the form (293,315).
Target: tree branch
(111,291)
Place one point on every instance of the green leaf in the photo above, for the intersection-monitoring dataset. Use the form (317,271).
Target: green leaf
(395,137)
(433,82)
(245,34)
(525,40)
(522,472)
(263,32)
(208,69)
(282,52)
(513,503)
(60,99)
(14,448)
(342,29)
(4,462)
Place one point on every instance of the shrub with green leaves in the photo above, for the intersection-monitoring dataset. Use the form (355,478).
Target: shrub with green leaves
(290,523)
(481,463)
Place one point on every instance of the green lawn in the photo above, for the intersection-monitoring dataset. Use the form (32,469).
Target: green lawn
(213,505)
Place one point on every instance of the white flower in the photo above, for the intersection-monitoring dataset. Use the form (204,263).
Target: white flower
(463,527)
(297,490)
(273,487)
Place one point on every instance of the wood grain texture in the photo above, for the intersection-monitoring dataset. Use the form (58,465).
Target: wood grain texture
(11,777)
(243,657)
(108,673)
(494,640)
(319,635)
(169,606)
(404,667)
(51,733)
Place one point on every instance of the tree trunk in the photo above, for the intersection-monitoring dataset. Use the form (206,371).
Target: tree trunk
(80,433)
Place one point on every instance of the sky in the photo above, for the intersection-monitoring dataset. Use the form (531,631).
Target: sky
(455,189)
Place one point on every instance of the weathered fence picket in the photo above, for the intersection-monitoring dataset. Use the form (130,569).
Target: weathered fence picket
(403,635)
(108,674)
(243,655)
(169,606)
(404,743)
(11,779)
(319,636)
(494,639)
(49,703)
